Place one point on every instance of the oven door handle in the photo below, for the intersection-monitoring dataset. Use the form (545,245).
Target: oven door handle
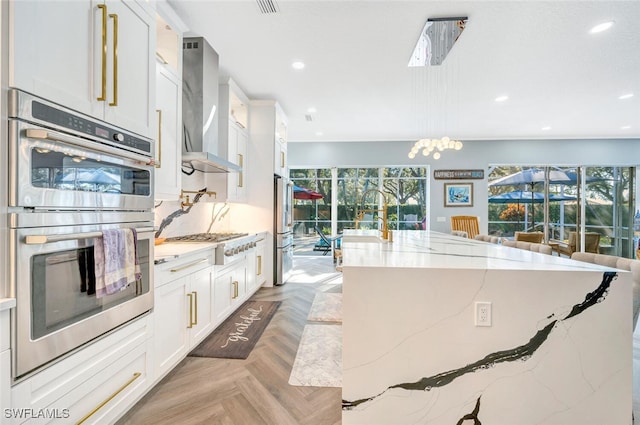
(43,239)
(41,134)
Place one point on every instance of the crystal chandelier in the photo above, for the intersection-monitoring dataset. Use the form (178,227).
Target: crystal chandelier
(434,145)
(436,40)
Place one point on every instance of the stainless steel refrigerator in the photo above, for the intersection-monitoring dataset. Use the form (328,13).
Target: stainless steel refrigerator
(282,229)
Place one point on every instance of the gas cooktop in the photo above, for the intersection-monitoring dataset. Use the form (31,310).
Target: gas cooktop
(206,237)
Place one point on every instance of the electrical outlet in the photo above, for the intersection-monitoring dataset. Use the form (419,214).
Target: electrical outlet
(483,313)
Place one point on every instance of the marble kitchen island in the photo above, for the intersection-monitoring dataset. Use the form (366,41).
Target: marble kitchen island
(558,349)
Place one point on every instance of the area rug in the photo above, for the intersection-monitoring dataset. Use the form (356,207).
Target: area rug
(318,361)
(326,307)
(236,336)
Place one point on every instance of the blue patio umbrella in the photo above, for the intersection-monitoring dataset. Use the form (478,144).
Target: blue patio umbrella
(532,176)
(526,197)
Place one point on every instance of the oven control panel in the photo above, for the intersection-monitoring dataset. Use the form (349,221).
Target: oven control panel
(89,127)
(27,107)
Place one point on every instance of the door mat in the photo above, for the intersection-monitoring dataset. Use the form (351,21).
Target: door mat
(326,307)
(236,336)
(318,361)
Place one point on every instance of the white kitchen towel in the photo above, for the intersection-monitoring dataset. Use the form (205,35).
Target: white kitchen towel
(116,263)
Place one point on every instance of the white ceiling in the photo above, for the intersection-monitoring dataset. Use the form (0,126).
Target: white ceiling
(540,54)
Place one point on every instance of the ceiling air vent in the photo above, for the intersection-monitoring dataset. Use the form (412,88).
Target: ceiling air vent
(268,6)
(308,117)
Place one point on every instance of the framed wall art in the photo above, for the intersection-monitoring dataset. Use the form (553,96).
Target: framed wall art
(458,194)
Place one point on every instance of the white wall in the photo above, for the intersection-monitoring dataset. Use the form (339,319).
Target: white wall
(476,154)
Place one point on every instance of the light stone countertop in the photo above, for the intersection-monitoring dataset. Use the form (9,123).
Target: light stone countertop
(428,249)
(7,303)
(441,329)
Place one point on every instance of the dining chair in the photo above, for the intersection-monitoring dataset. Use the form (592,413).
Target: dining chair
(591,244)
(466,223)
(534,237)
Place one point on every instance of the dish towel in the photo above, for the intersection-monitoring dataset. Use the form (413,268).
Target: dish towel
(116,261)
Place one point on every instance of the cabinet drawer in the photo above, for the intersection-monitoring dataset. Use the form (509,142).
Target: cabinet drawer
(109,394)
(82,377)
(183,266)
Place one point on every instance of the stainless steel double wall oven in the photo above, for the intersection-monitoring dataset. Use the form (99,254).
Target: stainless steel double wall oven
(71,177)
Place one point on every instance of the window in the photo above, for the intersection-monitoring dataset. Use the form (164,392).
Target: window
(405,190)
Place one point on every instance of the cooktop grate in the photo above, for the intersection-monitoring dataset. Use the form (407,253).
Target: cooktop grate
(206,237)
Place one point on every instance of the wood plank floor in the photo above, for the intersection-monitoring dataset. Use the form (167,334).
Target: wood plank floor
(254,391)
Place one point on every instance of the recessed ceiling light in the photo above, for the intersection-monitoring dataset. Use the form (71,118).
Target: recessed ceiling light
(312,110)
(297,65)
(626,96)
(501,98)
(625,127)
(546,127)
(601,27)
(319,133)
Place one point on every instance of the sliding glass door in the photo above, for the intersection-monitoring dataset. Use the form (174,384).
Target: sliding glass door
(594,202)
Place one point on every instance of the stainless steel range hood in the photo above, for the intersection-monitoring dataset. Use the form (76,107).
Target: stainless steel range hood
(208,163)
(200,146)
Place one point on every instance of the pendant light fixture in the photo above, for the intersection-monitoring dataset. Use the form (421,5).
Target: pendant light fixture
(436,40)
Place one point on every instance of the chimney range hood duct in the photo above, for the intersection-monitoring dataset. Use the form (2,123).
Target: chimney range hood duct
(199,106)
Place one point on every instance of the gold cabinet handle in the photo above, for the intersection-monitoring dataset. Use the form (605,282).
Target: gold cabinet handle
(235,289)
(111,397)
(259,265)
(281,159)
(241,173)
(103,95)
(186,266)
(159,159)
(195,308)
(190,296)
(115,59)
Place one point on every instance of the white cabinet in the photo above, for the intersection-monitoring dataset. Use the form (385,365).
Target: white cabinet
(250,274)
(261,248)
(99,383)
(229,290)
(280,143)
(5,363)
(237,182)
(168,176)
(168,109)
(96,57)
(182,308)
(201,289)
(224,288)
(269,129)
(172,343)
(5,376)
(233,143)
